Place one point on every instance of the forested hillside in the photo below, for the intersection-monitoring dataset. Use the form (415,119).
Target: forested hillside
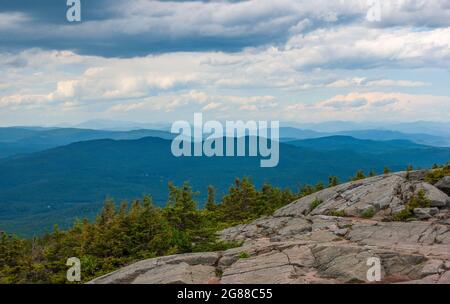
(60,184)
(126,232)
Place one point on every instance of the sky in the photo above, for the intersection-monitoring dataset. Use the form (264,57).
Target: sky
(288,60)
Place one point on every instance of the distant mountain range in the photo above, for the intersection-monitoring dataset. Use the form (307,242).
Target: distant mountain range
(291,133)
(25,140)
(421,138)
(440,129)
(19,140)
(115,125)
(59,184)
(363,146)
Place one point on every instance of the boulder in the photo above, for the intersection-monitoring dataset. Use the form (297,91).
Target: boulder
(418,175)
(432,267)
(447,265)
(445,278)
(181,273)
(348,264)
(444,185)
(341,232)
(425,213)
(387,193)
(271,267)
(437,197)
(202,258)
(178,266)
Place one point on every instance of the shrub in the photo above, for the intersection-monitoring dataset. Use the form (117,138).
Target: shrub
(359,175)
(403,215)
(433,176)
(219,272)
(339,213)
(319,187)
(315,203)
(417,201)
(333,181)
(244,255)
(368,213)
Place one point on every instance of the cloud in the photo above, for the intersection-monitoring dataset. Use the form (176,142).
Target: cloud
(18,101)
(384,102)
(211,106)
(373,106)
(200,101)
(174,81)
(339,104)
(140,27)
(365,82)
(63,76)
(228,58)
(357,47)
(12,21)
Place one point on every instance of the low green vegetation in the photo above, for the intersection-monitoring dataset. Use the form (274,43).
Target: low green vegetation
(315,203)
(417,201)
(319,186)
(338,213)
(438,172)
(359,175)
(124,233)
(244,255)
(368,213)
(333,181)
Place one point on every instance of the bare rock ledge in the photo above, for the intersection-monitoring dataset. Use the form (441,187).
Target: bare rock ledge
(302,246)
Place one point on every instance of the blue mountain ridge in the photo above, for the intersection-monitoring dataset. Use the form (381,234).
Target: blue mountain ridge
(60,184)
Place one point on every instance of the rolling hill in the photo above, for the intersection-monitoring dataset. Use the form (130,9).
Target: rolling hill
(420,138)
(59,184)
(26,140)
(20,140)
(336,143)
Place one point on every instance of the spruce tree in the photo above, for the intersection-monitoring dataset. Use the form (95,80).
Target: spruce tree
(210,204)
(333,181)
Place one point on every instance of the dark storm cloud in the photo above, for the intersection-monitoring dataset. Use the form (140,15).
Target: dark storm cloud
(140,27)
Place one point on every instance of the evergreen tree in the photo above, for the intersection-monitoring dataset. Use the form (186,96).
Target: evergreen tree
(319,187)
(306,190)
(333,181)
(120,236)
(210,204)
(359,175)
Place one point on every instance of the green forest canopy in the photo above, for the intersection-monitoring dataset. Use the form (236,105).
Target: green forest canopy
(126,232)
